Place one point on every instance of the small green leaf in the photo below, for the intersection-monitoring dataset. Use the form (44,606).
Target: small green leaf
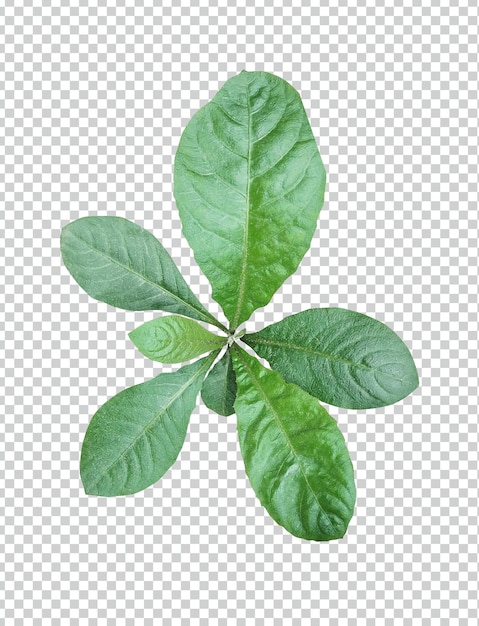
(174,339)
(342,357)
(294,453)
(249,184)
(219,387)
(135,437)
(120,263)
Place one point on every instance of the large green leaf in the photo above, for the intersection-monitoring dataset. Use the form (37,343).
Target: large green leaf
(120,263)
(342,357)
(294,453)
(249,184)
(135,437)
(219,387)
(174,339)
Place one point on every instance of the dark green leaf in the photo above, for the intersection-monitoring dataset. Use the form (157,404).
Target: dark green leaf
(122,264)
(249,184)
(174,339)
(294,453)
(219,387)
(135,437)
(342,357)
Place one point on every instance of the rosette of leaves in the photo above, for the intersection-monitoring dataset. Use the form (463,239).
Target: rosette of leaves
(249,184)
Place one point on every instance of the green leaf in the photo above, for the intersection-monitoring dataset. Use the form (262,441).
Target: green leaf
(342,357)
(294,453)
(135,437)
(219,387)
(120,263)
(249,183)
(174,339)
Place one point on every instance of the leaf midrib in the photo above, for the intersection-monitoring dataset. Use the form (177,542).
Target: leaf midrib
(244,260)
(326,355)
(205,318)
(278,420)
(150,423)
(207,342)
(167,351)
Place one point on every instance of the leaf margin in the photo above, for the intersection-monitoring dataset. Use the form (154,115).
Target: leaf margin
(236,318)
(73,229)
(227,408)
(89,469)
(143,337)
(293,369)
(316,535)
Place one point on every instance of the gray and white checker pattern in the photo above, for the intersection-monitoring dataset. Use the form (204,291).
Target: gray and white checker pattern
(94,95)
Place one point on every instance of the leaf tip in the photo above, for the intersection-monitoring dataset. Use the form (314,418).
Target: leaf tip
(133,337)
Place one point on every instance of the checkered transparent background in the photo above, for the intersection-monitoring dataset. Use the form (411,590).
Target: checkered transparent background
(93,99)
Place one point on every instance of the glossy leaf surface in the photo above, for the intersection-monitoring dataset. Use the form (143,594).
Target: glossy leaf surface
(249,184)
(174,339)
(219,387)
(136,436)
(294,453)
(118,262)
(342,357)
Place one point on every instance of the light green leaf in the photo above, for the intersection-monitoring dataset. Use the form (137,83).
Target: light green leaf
(135,437)
(342,357)
(294,453)
(174,339)
(249,183)
(120,263)
(219,387)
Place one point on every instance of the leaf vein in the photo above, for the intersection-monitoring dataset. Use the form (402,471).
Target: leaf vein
(214,172)
(288,191)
